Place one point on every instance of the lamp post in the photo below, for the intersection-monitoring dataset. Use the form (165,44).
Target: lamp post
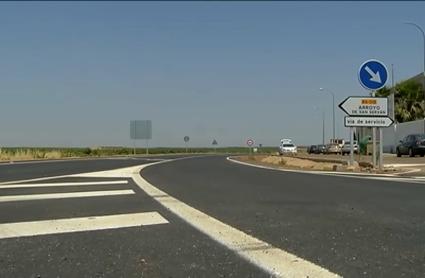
(423,36)
(323,123)
(333,107)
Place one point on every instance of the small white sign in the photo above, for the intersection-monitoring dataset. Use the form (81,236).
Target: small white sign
(368,121)
(365,106)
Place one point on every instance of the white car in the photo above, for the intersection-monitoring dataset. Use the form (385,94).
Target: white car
(346,149)
(287,148)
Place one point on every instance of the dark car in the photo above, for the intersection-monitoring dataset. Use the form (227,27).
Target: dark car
(413,144)
(321,149)
(312,149)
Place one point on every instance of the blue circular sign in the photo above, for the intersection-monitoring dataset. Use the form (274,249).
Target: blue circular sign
(373,75)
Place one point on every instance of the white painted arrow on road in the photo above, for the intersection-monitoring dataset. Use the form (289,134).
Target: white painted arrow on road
(375,77)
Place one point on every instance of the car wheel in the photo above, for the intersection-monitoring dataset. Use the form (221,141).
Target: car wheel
(411,154)
(422,154)
(398,153)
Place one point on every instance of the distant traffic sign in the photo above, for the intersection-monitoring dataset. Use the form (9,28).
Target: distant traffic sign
(250,142)
(215,142)
(365,106)
(186,138)
(368,121)
(373,75)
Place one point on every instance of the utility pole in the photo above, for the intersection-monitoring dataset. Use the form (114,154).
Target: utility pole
(323,127)
(333,110)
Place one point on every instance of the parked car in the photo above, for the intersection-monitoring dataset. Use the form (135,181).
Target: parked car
(321,149)
(312,149)
(346,149)
(333,149)
(413,144)
(287,148)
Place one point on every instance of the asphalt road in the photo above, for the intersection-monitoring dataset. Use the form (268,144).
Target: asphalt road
(352,227)
(172,249)
(48,168)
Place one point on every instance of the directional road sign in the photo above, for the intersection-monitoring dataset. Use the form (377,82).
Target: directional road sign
(250,142)
(368,121)
(141,129)
(365,106)
(373,75)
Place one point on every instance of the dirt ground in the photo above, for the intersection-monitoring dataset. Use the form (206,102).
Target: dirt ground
(412,166)
(292,162)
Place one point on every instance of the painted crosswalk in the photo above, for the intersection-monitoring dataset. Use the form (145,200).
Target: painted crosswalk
(73,190)
(48,196)
(81,224)
(60,184)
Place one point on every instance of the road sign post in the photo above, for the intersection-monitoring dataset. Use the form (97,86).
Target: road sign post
(141,130)
(186,139)
(373,75)
(374,147)
(381,150)
(215,143)
(367,111)
(250,143)
(351,147)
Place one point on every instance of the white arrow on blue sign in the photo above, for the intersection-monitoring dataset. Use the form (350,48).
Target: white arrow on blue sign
(373,75)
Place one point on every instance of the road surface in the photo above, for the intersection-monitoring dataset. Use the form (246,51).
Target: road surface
(204,217)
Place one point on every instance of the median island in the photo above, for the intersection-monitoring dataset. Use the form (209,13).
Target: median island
(306,163)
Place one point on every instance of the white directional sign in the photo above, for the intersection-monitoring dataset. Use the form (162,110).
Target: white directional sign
(368,121)
(365,106)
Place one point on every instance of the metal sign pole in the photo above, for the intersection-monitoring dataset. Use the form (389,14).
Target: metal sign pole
(134,147)
(373,142)
(374,147)
(351,147)
(381,149)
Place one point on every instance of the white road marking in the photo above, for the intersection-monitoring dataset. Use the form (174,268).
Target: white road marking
(60,184)
(118,173)
(405,165)
(35,179)
(12,198)
(82,224)
(275,261)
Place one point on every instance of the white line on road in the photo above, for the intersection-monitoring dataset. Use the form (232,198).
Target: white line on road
(82,224)
(275,261)
(12,198)
(406,165)
(63,184)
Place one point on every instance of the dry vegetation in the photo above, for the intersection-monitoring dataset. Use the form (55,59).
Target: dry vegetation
(298,163)
(28,154)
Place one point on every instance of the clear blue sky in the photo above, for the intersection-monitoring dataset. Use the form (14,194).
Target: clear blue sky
(75,74)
